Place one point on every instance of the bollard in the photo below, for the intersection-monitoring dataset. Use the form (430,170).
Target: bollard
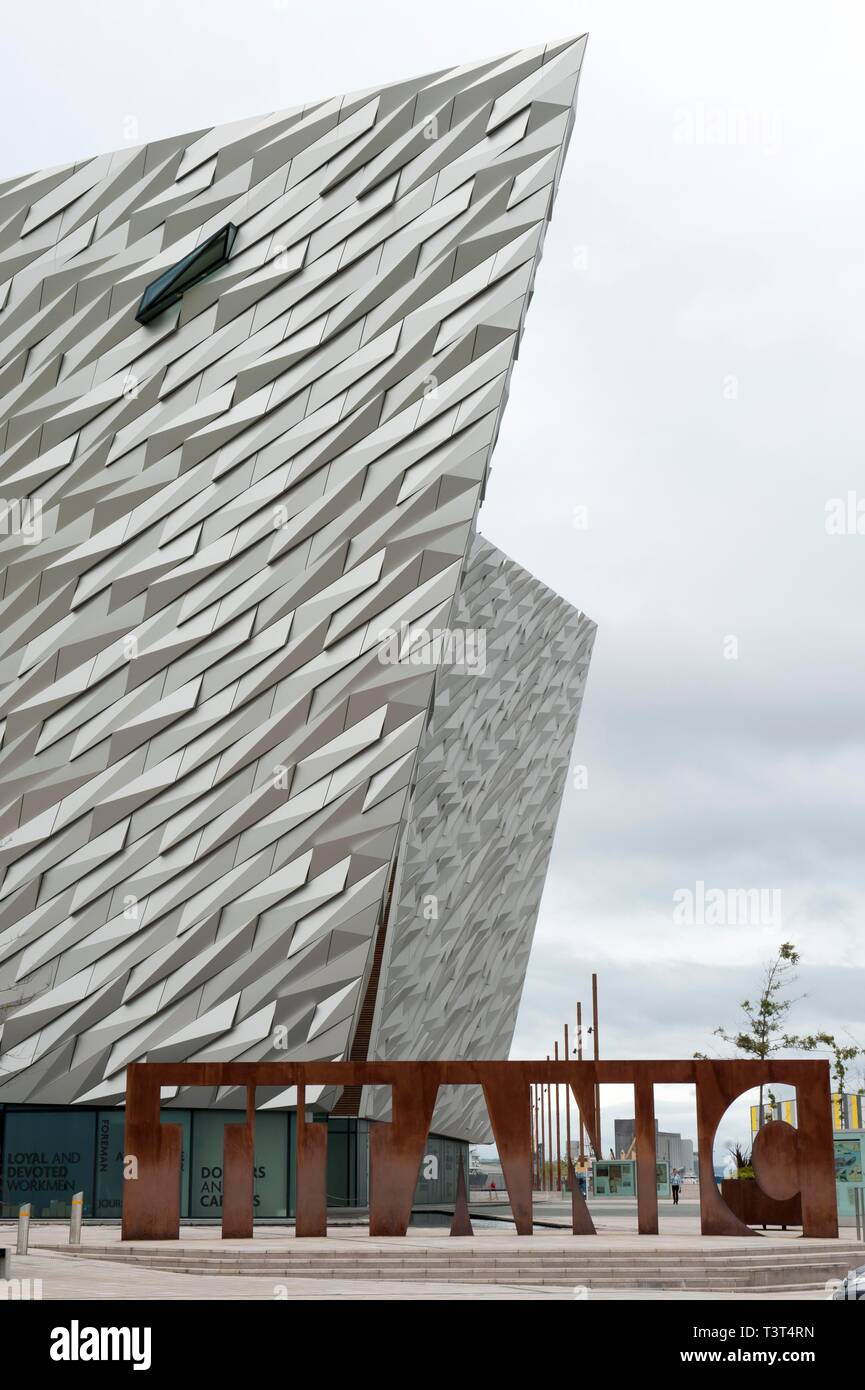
(75,1218)
(5,1263)
(859,1207)
(23,1229)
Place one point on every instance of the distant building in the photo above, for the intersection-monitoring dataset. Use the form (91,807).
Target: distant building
(670,1147)
(623,1135)
(678,1152)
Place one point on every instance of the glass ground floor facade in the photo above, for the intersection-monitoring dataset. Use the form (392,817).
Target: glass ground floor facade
(49,1153)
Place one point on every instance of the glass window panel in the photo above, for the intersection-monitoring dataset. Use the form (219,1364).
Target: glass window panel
(437,1178)
(337,1166)
(109,1163)
(168,287)
(361,1190)
(270,1162)
(109,1160)
(48,1156)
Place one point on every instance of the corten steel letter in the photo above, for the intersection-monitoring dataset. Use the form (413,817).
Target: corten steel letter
(718,1085)
(716,1218)
(584,1087)
(788,1161)
(816,1154)
(396,1150)
(151,1202)
(238,1180)
(151,1198)
(508,1097)
(583,1084)
(647,1181)
(310,1215)
(581,1218)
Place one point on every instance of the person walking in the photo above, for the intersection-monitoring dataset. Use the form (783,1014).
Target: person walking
(675,1184)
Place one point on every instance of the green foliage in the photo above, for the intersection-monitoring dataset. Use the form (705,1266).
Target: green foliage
(742,1160)
(765,1032)
(765,1027)
(842,1055)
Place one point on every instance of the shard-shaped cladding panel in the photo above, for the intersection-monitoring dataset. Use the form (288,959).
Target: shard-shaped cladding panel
(491,772)
(204,762)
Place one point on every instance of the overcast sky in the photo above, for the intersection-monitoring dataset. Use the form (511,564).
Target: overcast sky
(688,401)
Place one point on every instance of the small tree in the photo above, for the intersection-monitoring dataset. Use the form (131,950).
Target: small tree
(765,1018)
(766,1033)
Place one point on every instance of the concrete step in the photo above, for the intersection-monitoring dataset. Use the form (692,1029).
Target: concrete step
(723,1270)
(457,1254)
(760,1276)
(552,1275)
(582,1258)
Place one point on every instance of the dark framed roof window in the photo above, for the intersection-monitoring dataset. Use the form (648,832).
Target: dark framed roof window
(168,288)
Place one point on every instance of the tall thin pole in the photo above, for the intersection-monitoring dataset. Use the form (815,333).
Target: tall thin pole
(558,1127)
(532,1122)
(534,1136)
(549,1154)
(537,1135)
(597,1054)
(543,1137)
(539,1141)
(579,1059)
(567,1111)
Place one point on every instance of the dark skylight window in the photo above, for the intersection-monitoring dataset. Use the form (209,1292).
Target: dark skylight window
(170,285)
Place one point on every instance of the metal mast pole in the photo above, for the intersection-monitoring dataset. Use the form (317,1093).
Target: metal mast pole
(532,1123)
(550,1128)
(579,1059)
(558,1127)
(567,1110)
(597,1054)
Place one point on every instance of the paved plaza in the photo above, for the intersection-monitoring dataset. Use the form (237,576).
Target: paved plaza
(349,1264)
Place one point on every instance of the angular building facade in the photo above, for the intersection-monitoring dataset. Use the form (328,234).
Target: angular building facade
(283,739)
(485,801)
